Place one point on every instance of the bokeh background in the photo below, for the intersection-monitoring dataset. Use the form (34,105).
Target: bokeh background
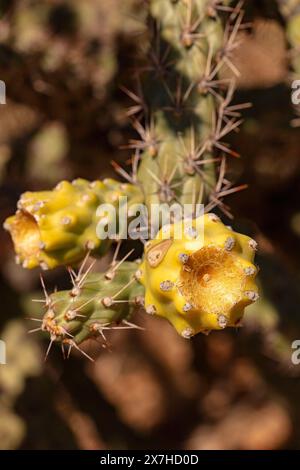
(63,63)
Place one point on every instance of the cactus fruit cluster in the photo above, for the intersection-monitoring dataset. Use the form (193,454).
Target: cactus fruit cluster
(182,112)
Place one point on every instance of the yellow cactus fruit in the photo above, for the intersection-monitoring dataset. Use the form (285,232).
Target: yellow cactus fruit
(58,227)
(293,30)
(202,280)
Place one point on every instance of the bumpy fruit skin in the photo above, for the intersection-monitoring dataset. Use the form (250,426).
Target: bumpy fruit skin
(58,227)
(85,311)
(201,280)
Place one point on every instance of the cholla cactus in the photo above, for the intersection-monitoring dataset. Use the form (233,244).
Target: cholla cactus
(182,113)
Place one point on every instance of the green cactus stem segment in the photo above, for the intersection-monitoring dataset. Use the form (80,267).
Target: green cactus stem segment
(177,163)
(92,307)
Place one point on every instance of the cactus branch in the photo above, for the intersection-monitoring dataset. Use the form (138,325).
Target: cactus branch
(181,108)
(96,304)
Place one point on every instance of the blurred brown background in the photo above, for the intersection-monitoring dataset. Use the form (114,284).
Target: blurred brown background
(63,62)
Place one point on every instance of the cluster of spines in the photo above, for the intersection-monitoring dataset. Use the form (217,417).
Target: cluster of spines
(182,110)
(95,304)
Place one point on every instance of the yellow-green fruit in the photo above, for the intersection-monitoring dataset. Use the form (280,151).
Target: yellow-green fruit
(293,34)
(200,276)
(293,30)
(58,227)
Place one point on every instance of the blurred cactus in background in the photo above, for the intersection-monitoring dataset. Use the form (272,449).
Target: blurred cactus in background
(23,359)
